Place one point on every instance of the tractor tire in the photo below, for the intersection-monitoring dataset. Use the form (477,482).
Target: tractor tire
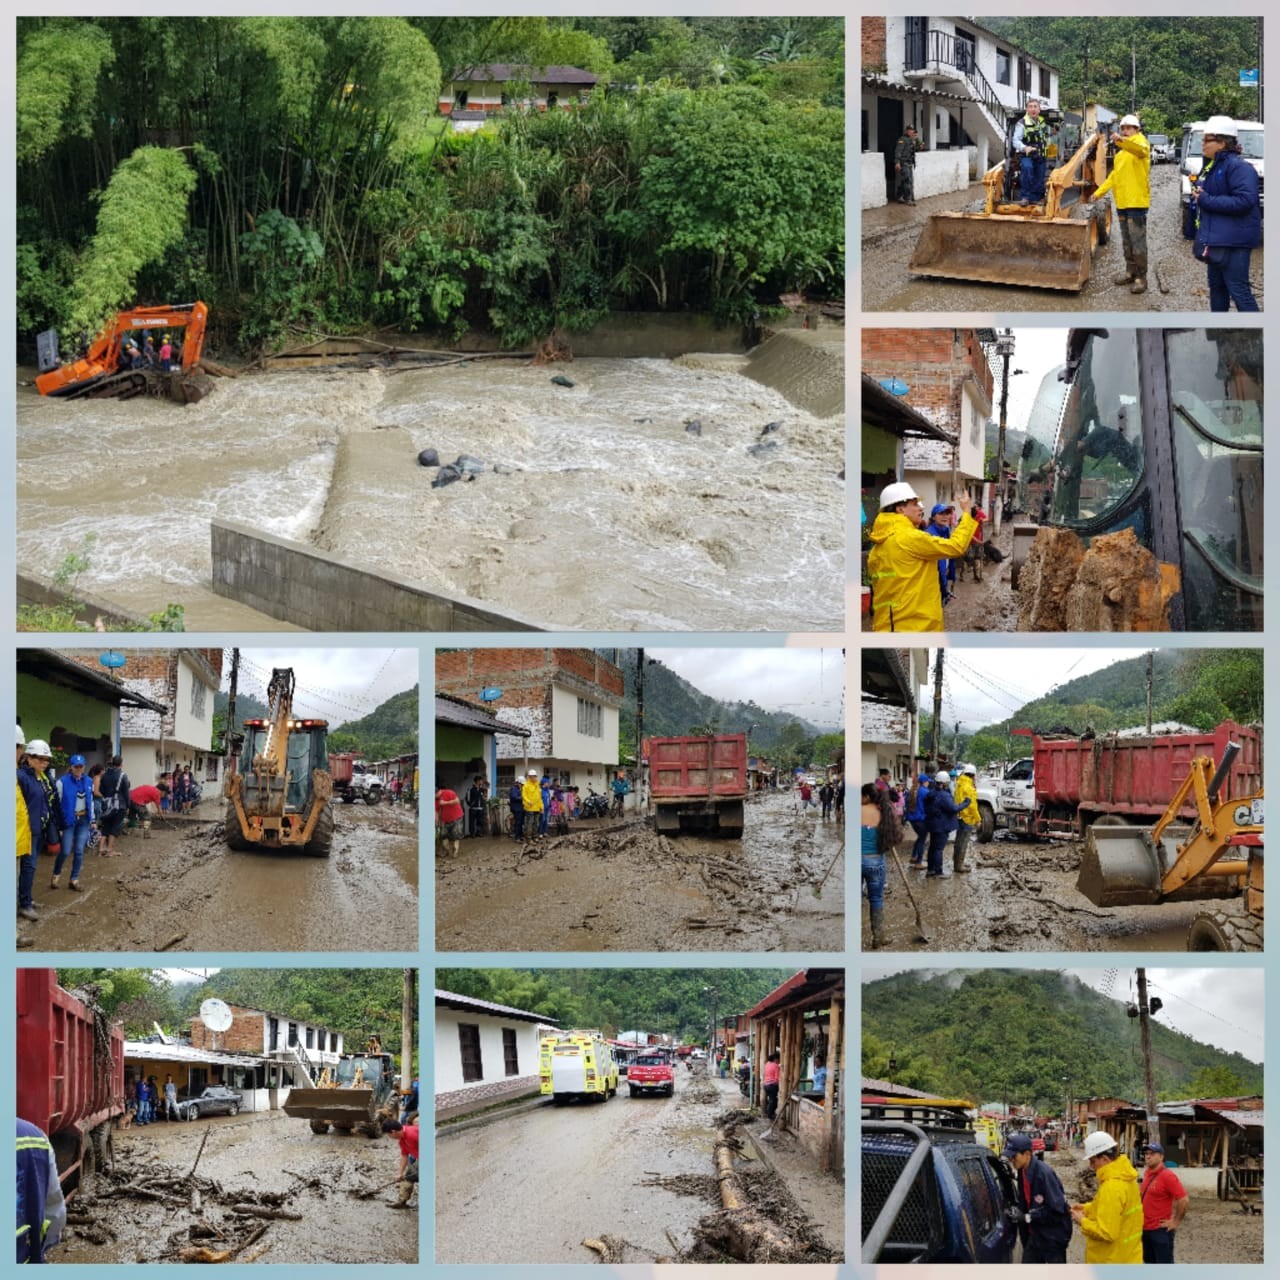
(373,797)
(234,836)
(319,1126)
(344,1126)
(1218,931)
(321,843)
(986,822)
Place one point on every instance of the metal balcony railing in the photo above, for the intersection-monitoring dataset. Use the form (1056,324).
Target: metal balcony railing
(941,48)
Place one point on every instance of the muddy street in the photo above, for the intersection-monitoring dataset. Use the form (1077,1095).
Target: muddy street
(181,889)
(262,1159)
(1176,283)
(623,887)
(638,1170)
(627,500)
(1022,897)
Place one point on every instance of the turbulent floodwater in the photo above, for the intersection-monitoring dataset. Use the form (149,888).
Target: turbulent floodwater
(608,514)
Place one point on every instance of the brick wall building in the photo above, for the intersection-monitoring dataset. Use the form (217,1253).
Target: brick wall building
(257,1031)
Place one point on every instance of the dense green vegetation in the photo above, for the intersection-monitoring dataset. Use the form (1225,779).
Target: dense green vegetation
(353,1001)
(671,1001)
(295,173)
(672,706)
(1199,687)
(1188,68)
(993,1035)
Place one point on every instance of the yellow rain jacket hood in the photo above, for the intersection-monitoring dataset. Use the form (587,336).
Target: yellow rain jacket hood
(1130,178)
(531,795)
(966,790)
(903,565)
(1112,1223)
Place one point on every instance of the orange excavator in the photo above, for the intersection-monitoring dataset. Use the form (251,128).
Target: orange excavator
(107,368)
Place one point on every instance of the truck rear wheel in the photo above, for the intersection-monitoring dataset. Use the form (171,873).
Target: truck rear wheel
(986,822)
(373,797)
(731,820)
(1217,931)
(234,836)
(321,843)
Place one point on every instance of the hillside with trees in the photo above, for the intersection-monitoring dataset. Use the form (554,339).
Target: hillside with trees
(672,1001)
(993,1035)
(296,174)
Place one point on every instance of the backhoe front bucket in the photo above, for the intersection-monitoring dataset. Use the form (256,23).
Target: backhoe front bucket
(337,1106)
(1123,867)
(1007,249)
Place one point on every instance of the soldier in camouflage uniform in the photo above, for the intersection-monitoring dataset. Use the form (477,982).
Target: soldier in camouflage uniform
(904,166)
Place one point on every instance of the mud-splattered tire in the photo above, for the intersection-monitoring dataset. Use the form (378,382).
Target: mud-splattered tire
(373,797)
(319,1126)
(234,836)
(103,1149)
(986,822)
(193,1112)
(233,1110)
(1217,931)
(321,843)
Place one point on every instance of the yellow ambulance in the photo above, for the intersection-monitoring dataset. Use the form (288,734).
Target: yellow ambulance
(576,1064)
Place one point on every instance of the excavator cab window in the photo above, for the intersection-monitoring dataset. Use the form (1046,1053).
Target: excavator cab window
(1215,401)
(1098,457)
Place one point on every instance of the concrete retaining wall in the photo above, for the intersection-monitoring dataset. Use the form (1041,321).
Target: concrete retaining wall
(874,195)
(320,592)
(459,1102)
(938,172)
(32,590)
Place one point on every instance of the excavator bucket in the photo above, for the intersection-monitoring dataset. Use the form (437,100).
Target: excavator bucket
(1008,249)
(1122,866)
(337,1106)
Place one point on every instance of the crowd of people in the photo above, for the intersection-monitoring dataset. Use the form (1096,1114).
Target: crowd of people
(936,808)
(166,357)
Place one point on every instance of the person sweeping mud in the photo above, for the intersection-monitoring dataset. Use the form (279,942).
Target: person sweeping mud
(905,595)
(1130,179)
(879,837)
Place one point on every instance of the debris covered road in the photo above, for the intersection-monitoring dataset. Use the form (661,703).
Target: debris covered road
(181,889)
(623,887)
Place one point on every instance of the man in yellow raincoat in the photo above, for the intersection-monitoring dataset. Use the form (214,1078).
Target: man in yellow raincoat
(1131,181)
(531,798)
(966,788)
(1112,1220)
(903,562)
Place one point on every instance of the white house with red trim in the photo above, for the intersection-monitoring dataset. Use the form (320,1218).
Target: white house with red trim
(471,94)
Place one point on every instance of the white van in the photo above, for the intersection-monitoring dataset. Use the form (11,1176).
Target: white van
(1191,158)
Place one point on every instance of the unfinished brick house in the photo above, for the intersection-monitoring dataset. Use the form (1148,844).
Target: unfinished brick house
(568,700)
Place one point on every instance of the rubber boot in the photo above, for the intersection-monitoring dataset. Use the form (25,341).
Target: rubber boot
(878,935)
(957,864)
(1139,284)
(404,1193)
(1125,277)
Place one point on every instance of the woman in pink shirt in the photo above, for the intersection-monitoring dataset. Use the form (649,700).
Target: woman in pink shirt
(772,1070)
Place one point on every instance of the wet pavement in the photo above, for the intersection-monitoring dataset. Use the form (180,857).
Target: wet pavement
(623,887)
(1177,281)
(1022,897)
(587,1170)
(181,889)
(263,1158)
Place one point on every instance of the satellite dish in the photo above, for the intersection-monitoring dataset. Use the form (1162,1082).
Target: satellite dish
(112,659)
(215,1014)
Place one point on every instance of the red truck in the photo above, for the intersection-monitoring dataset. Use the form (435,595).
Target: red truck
(351,780)
(1077,781)
(70,1074)
(698,784)
(651,1073)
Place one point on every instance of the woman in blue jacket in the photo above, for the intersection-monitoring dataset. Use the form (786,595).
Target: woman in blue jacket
(75,802)
(940,818)
(914,812)
(1229,218)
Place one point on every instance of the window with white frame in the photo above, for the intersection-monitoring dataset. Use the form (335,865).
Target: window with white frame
(590,719)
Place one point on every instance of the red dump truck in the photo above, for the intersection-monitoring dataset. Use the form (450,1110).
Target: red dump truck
(1078,781)
(351,780)
(70,1074)
(698,784)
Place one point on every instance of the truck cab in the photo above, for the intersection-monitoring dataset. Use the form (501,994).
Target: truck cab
(1158,431)
(1018,789)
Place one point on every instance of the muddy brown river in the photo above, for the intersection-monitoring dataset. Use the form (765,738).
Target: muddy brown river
(623,887)
(604,512)
(183,890)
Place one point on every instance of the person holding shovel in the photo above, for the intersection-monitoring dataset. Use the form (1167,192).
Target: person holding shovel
(878,839)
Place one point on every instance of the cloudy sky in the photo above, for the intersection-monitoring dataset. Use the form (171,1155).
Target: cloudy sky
(333,684)
(1221,1007)
(1035,351)
(808,683)
(985,686)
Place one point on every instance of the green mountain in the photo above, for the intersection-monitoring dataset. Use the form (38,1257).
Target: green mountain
(1029,1036)
(1187,68)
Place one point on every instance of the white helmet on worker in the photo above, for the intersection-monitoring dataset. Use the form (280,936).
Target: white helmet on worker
(39,748)
(1097,1144)
(1131,119)
(970,769)
(533,773)
(1221,127)
(942,776)
(22,737)
(898,491)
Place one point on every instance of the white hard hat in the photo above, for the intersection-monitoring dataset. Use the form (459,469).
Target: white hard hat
(39,747)
(968,768)
(1221,126)
(1131,119)
(1098,1143)
(942,776)
(533,773)
(22,737)
(898,491)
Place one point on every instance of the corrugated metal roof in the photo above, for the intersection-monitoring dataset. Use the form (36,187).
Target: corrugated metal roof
(808,983)
(452,1000)
(466,715)
(496,71)
(151,1052)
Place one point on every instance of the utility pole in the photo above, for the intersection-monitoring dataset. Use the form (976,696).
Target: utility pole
(1084,106)
(1133,73)
(231,711)
(935,732)
(408,1001)
(640,776)
(1004,349)
(1257,30)
(1150,683)
(1144,1025)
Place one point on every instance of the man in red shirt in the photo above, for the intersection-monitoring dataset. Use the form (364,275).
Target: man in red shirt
(1163,1204)
(142,798)
(408,1174)
(449,813)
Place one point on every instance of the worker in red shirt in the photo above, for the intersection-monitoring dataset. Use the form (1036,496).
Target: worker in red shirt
(142,798)
(1163,1204)
(449,814)
(408,1173)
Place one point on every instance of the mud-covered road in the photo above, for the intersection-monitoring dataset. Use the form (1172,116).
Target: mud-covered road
(640,1170)
(265,1159)
(181,889)
(623,887)
(1214,1230)
(1176,283)
(1022,897)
